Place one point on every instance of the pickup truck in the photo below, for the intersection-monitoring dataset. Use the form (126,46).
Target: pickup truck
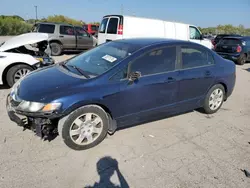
(65,37)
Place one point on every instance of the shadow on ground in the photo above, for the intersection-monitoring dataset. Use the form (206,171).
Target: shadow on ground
(4,87)
(106,167)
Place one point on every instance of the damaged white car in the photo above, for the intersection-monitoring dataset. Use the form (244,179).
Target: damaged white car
(22,54)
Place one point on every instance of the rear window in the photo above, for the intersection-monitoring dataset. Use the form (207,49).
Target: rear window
(46,28)
(67,30)
(229,41)
(112,27)
(94,27)
(103,25)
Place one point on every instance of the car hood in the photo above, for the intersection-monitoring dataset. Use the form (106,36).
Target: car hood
(24,39)
(46,84)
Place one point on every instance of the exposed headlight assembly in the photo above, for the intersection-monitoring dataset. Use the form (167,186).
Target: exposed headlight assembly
(36,106)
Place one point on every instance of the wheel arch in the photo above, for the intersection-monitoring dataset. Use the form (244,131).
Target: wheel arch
(55,41)
(112,121)
(4,74)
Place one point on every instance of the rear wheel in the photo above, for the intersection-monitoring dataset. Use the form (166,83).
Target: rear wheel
(17,72)
(242,59)
(214,99)
(84,128)
(56,48)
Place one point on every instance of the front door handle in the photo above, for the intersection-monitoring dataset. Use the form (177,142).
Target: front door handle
(61,36)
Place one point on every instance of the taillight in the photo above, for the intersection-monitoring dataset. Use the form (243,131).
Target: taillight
(120,29)
(239,49)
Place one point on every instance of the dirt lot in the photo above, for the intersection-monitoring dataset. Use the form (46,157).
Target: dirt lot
(189,150)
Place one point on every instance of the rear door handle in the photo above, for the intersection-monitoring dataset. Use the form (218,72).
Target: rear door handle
(207,73)
(170,79)
(61,36)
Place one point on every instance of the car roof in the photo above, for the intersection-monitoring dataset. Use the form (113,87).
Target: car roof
(142,42)
(54,23)
(237,37)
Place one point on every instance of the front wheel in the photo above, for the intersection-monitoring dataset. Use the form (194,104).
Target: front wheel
(214,99)
(84,128)
(17,72)
(56,49)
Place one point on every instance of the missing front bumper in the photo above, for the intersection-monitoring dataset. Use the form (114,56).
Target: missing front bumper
(42,126)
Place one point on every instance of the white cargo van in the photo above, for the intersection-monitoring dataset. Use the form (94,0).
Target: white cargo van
(115,27)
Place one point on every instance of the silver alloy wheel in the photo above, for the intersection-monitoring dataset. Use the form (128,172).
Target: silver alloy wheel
(86,129)
(20,73)
(215,99)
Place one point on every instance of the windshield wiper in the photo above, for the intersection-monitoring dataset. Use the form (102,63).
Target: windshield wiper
(79,70)
(64,66)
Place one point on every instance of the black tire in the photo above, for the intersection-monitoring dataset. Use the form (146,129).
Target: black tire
(10,76)
(65,123)
(242,59)
(56,49)
(206,106)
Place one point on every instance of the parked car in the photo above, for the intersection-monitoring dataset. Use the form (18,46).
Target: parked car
(234,48)
(221,36)
(115,27)
(121,83)
(91,28)
(64,37)
(18,57)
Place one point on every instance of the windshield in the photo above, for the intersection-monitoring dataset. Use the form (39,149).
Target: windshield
(102,58)
(229,41)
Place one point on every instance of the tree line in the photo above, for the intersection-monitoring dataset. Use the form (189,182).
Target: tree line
(15,25)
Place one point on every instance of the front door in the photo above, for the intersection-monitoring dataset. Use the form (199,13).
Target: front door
(196,75)
(84,39)
(155,90)
(67,36)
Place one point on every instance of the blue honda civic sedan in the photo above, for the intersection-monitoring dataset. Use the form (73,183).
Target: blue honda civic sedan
(117,84)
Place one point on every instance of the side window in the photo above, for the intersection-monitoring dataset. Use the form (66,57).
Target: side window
(67,30)
(195,57)
(46,28)
(194,33)
(81,32)
(103,25)
(112,27)
(156,61)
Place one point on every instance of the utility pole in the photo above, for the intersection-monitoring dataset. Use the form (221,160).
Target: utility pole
(36,13)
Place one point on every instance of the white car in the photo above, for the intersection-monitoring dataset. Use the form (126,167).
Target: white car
(22,54)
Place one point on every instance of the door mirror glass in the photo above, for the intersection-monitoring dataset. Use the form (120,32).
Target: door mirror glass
(133,76)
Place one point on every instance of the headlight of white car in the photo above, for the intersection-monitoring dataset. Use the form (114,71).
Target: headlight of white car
(36,106)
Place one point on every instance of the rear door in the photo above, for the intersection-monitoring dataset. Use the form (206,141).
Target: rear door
(102,30)
(197,74)
(84,39)
(110,29)
(67,36)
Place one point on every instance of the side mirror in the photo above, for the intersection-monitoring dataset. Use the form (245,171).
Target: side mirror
(133,76)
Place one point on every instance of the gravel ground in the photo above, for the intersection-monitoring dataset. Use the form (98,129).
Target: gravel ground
(189,150)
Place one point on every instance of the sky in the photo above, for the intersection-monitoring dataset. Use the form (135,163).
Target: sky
(198,12)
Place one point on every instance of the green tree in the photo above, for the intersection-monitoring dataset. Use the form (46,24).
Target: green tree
(64,19)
